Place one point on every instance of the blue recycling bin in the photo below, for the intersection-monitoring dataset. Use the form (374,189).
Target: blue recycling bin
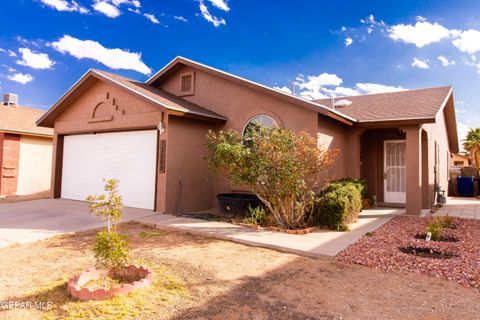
(465,186)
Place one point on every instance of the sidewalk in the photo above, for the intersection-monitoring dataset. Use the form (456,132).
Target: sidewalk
(320,243)
(468,208)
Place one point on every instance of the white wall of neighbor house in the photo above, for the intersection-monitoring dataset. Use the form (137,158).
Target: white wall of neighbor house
(35,165)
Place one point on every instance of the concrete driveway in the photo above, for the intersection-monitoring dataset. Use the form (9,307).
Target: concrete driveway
(34,220)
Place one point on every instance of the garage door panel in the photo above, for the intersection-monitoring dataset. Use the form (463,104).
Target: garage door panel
(129,157)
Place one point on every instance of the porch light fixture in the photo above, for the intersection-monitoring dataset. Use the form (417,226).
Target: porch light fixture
(161,127)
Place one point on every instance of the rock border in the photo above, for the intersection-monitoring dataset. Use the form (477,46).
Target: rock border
(76,290)
(277,229)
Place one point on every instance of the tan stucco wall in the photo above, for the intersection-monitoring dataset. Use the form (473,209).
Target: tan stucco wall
(189,182)
(437,133)
(35,165)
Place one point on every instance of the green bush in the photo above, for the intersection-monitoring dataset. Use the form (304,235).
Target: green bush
(337,205)
(435,227)
(257,215)
(360,184)
(110,250)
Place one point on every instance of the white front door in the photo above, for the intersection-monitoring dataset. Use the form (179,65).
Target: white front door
(129,157)
(394,171)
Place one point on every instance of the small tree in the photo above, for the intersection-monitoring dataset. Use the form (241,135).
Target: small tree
(472,145)
(283,168)
(110,248)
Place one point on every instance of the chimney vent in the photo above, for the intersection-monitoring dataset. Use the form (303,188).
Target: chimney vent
(10,99)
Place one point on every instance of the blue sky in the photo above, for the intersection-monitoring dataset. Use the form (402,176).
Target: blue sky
(325,47)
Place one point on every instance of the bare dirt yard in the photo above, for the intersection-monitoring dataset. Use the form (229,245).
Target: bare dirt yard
(203,278)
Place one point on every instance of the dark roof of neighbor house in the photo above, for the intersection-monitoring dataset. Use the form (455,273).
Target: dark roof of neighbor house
(22,120)
(418,104)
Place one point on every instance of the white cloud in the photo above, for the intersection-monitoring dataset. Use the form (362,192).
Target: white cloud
(445,62)
(370,88)
(468,42)
(284,89)
(11,53)
(327,85)
(35,60)
(207,16)
(64,5)
(220,4)
(112,58)
(2,50)
(107,9)
(180,18)
(134,3)
(151,17)
(312,87)
(421,64)
(21,78)
(420,18)
(420,34)
(348,41)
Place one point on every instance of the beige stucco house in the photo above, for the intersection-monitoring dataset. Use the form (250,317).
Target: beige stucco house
(150,135)
(25,150)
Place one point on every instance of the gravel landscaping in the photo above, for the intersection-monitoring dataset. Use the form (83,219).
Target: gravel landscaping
(399,246)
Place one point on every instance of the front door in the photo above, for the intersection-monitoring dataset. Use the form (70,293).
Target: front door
(394,171)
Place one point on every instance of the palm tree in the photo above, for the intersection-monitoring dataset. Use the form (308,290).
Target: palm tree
(472,144)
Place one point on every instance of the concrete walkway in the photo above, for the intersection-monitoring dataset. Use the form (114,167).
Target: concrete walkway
(319,243)
(459,207)
(29,221)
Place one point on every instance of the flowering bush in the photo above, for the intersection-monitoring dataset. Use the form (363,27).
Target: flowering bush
(283,168)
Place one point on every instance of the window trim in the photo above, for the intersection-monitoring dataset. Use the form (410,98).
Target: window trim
(257,116)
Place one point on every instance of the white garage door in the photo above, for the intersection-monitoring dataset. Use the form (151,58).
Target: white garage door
(129,157)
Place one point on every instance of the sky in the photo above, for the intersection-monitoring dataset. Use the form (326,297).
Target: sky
(320,48)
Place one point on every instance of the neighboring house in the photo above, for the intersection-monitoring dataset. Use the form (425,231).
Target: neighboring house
(151,136)
(460,160)
(25,150)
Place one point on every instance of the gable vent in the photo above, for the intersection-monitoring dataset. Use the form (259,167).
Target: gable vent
(187,84)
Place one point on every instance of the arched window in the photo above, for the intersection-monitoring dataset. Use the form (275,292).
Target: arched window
(259,122)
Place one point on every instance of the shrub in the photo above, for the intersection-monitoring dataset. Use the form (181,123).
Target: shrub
(336,206)
(281,167)
(435,227)
(360,184)
(445,221)
(257,215)
(110,248)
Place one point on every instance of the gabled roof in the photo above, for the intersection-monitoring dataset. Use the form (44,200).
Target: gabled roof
(419,104)
(142,90)
(22,120)
(313,105)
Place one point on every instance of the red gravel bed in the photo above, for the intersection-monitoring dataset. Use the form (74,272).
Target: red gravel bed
(381,250)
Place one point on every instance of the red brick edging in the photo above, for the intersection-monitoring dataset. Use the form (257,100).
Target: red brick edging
(276,229)
(76,290)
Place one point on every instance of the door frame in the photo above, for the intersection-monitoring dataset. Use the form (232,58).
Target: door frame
(402,198)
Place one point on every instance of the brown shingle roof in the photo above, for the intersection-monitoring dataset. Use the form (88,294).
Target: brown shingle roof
(401,105)
(169,100)
(22,120)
